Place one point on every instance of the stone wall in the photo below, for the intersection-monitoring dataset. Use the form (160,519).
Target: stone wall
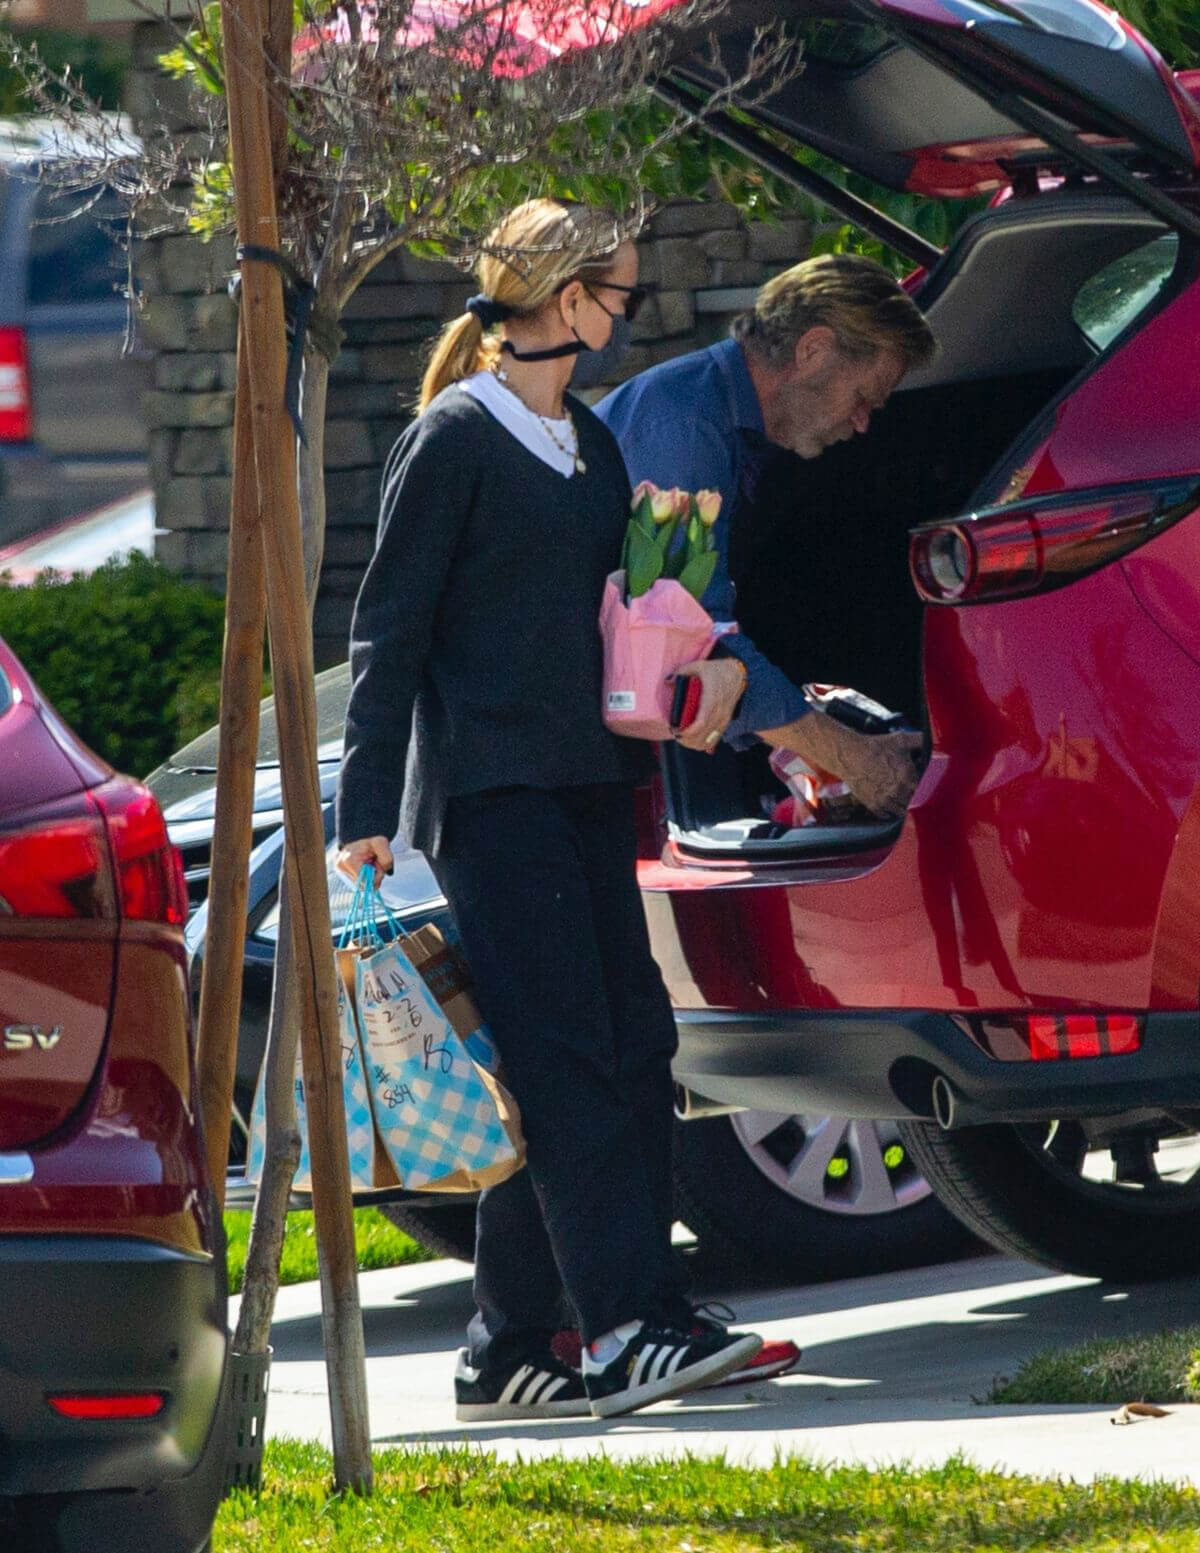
(703,259)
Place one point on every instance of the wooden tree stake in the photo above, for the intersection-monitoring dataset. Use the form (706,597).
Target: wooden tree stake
(246,73)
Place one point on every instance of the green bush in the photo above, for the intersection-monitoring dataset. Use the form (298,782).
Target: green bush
(98,65)
(130,656)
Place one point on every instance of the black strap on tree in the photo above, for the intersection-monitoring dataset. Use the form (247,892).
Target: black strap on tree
(304,319)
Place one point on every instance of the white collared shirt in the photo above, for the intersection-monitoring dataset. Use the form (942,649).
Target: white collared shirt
(528,428)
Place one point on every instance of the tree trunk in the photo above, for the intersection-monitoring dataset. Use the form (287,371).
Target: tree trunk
(282,1151)
(312,473)
(241,691)
(261,1282)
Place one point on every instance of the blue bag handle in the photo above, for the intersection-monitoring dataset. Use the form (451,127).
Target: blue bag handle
(359,925)
(373,905)
(350,920)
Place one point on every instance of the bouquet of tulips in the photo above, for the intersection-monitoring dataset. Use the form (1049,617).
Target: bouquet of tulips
(670,535)
(651,619)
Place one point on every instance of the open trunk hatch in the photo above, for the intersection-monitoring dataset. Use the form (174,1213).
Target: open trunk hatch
(923,95)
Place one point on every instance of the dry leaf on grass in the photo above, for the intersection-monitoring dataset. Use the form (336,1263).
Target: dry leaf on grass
(1134,1412)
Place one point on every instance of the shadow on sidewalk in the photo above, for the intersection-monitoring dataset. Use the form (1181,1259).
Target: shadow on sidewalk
(893,1348)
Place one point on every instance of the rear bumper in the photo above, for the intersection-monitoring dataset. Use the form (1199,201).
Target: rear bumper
(91,1314)
(883,1063)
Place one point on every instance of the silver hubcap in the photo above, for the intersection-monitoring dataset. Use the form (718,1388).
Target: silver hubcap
(836,1163)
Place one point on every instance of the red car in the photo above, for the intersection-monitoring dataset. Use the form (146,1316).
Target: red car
(1012,973)
(113,1342)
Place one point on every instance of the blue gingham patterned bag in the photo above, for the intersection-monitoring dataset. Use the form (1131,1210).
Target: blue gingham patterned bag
(446,1122)
(360,1132)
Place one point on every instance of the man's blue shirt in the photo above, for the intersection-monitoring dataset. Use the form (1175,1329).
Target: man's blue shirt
(695,422)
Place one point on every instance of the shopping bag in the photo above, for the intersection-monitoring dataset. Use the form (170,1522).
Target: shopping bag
(368,1164)
(645,641)
(446,1123)
(816,796)
(442,968)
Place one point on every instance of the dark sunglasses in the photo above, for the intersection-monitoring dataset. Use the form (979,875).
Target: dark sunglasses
(634,297)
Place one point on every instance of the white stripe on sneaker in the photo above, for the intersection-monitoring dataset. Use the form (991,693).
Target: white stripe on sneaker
(555,1386)
(515,1384)
(661,1363)
(644,1360)
(676,1361)
(531,1392)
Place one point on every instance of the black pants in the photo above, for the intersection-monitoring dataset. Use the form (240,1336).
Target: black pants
(543,889)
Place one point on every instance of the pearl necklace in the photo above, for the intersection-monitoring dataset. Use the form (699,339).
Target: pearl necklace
(567,449)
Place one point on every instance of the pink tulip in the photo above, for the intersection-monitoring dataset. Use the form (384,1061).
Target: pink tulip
(708,505)
(643,489)
(663,506)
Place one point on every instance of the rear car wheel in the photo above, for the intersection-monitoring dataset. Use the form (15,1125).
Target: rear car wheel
(1089,1197)
(446,1231)
(808,1197)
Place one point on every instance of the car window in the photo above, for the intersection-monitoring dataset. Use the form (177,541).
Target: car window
(5,693)
(332,688)
(1110,301)
(849,45)
(75,254)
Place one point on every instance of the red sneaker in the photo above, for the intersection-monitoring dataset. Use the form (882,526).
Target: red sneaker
(771,1360)
(567,1347)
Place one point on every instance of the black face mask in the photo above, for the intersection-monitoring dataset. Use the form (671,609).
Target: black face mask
(599,366)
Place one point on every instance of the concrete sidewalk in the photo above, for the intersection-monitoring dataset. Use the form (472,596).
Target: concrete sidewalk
(892,1369)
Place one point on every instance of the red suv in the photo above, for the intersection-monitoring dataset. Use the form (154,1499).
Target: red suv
(1011,556)
(113,1342)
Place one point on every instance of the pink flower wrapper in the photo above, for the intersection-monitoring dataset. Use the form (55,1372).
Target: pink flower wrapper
(645,641)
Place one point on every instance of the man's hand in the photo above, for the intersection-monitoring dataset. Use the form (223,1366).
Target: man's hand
(723,680)
(878,768)
(354,856)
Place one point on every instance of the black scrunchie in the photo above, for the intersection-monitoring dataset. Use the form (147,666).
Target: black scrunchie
(488,311)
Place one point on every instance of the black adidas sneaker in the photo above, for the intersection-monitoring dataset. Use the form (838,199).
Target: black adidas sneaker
(663,1362)
(542,1387)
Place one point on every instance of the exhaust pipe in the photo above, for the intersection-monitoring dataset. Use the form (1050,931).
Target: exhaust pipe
(946,1111)
(691,1107)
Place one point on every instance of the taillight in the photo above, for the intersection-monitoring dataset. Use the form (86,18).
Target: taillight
(149,870)
(102,854)
(58,866)
(1053,1037)
(113,1404)
(16,407)
(1041,543)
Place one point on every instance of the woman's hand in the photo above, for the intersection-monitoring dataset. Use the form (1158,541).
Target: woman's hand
(722,681)
(354,856)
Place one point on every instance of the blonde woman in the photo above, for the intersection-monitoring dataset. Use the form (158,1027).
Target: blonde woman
(474,716)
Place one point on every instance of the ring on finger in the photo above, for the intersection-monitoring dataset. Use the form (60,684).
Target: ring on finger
(712,737)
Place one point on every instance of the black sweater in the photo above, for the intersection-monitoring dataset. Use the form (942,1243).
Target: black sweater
(475,653)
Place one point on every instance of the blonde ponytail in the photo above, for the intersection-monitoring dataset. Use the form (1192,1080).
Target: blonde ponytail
(461,350)
(534,250)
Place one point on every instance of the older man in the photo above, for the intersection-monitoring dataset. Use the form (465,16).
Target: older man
(824,346)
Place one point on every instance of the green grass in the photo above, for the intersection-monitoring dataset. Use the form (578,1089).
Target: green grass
(1160,1367)
(378,1242)
(465,1501)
